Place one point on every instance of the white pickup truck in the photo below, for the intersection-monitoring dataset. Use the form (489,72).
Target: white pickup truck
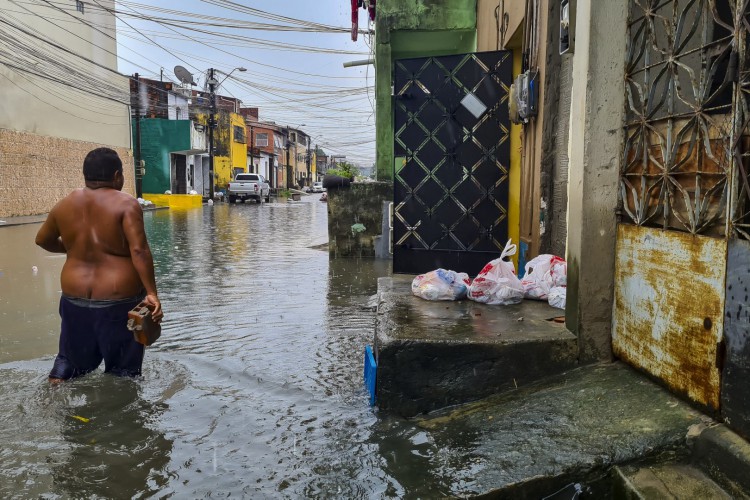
(249,186)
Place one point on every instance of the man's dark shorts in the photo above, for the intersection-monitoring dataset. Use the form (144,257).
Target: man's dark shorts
(96,330)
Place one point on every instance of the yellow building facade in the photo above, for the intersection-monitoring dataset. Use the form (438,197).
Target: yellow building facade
(230,147)
(234,157)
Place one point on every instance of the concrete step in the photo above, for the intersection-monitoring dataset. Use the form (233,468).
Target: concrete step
(725,457)
(717,467)
(566,430)
(665,482)
(432,355)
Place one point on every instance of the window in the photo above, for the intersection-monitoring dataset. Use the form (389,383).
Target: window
(247,177)
(261,140)
(79,6)
(239,134)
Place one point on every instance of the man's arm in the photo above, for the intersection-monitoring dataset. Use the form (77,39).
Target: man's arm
(140,254)
(48,236)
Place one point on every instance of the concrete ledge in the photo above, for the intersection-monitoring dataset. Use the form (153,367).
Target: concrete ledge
(38,219)
(175,200)
(725,456)
(436,354)
(21,220)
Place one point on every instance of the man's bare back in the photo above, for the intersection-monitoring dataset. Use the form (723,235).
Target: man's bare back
(101,230)
(91,223)
(108,271)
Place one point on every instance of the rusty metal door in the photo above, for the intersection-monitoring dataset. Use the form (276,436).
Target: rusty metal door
(669,308)
(683,191)
(452,150)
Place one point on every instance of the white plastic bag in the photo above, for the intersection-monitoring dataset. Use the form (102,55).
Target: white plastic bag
(497,283)
(556,296)
(441,284)
(537,279)
(542,273)
(559,272)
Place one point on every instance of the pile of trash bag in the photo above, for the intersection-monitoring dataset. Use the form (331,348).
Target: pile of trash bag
(441,284)
(497,282)
(545,278)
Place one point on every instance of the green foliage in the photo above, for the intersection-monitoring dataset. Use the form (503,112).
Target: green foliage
(344,169)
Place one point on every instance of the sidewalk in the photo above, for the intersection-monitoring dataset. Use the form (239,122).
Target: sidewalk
(37,219)
(18,221)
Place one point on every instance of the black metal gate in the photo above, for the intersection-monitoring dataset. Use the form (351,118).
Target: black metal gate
(452,151)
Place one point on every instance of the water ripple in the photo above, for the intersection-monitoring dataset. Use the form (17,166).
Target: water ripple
(254,389)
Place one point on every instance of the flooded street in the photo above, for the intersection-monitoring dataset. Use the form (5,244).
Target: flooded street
(254,389)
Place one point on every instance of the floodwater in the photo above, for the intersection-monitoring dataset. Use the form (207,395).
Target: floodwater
(254,389)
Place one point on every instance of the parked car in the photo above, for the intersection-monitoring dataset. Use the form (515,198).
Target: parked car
(246,186)
(317,187)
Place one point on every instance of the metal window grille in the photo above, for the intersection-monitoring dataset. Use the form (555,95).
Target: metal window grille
(239,134)
(261,140)
(687,146)
(79,6)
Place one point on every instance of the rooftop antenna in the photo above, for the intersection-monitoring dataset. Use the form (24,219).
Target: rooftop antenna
(184,75)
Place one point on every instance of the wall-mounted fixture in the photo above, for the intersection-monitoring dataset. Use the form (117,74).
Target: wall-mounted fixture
(567,26)
(523,96)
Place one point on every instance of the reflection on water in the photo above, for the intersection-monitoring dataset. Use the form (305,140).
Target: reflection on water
(94,436)
(254,388)
(29,295)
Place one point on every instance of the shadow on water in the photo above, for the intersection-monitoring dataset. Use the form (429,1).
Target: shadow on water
(254,389)
(93,437)
(118,451)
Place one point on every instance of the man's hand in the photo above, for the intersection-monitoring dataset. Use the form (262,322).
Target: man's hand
(154,305)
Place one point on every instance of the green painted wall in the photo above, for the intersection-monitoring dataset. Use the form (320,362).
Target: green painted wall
(427,15)
(159,138)
(414,28)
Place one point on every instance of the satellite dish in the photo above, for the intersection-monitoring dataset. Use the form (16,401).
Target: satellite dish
(184,75)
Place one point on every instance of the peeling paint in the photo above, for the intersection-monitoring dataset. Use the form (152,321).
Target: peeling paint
(668,313)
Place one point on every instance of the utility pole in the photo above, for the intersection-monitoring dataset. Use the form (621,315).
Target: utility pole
(211,127)
(138,171)
(252,149)
(309,163)
(288,165)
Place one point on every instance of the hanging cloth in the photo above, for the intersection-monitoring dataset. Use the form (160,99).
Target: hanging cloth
(355,19)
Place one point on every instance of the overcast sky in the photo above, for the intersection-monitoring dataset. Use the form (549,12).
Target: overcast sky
(290,86)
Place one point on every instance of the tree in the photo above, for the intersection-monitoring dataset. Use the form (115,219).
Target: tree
(344,169)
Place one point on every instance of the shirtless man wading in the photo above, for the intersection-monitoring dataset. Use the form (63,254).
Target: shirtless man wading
(108,271)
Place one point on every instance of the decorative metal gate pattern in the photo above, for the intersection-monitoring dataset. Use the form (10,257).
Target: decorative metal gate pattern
(685,166)
(452,150)
(688,116)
